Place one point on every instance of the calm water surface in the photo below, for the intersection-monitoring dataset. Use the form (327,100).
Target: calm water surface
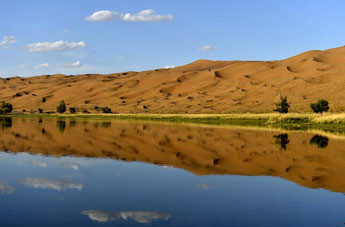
(66,172)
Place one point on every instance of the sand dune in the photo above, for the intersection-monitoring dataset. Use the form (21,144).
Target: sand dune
(200,87)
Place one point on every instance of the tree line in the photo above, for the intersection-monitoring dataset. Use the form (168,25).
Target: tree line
(283,106)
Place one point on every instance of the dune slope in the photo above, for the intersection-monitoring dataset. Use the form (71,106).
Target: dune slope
(200,87)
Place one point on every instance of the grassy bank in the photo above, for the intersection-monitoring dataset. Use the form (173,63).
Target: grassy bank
(269,118)
(332,123)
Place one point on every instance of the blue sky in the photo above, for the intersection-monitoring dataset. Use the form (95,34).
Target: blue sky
(96,36)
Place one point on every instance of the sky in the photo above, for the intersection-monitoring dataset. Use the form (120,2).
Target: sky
(40,37)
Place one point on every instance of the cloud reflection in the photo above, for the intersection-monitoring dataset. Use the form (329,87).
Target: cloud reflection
(6,189)
(203,186)
(40,164)
(72,165)
(137,216)
(58,185)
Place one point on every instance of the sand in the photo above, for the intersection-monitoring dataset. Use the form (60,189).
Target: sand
(198,149)
(200,87)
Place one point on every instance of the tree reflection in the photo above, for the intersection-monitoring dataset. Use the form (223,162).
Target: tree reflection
(5,122)
(282,139)
(61,124)
(320,141)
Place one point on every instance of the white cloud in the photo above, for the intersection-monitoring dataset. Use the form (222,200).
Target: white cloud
(41,66)
(54,46)
(168,67)
(147,15)
(120,58)
(76,64)
(137,216)
(58,185)
(104,15)
(8,40)
(206,48)
(23,66)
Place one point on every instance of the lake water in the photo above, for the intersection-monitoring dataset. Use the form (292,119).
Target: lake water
(69,172)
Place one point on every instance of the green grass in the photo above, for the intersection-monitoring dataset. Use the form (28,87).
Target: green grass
(332,123)
(292,119)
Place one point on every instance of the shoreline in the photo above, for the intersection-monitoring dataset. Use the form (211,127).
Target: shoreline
(291,120)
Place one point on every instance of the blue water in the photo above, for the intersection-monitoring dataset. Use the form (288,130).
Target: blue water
(47,191)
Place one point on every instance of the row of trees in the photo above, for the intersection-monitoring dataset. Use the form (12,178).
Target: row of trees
(61,108)
(283,106)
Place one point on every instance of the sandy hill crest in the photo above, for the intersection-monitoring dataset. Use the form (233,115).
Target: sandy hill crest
(200,87)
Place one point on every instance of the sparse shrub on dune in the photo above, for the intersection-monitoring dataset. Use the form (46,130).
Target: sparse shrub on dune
(85,111)
(282,106)
(320,107)
(61,108)
(40,110)
(106,109)
(72,110)
(6,108)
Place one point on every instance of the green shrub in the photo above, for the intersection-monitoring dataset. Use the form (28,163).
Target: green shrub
(320,107)
(6,108)
(106,109)
(72,110)
(282,106)
(61,108)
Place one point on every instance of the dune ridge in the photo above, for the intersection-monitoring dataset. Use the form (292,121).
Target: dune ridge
(200,87)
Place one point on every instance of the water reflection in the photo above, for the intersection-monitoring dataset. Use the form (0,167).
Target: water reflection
(5,122)
(6,189)
(320,141)
(137,216)
(61,124)
(55,184)
(200,150)
(282,139)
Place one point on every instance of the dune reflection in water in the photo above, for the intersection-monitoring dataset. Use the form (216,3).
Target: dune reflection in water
(308,159)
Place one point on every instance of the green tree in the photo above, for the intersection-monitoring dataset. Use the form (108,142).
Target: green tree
(6,108)
(320,106)
(61,108)
(282,106)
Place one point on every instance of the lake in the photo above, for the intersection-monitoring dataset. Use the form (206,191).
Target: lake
(78,172)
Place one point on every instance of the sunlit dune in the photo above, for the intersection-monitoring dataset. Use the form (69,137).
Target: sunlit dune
(200,87)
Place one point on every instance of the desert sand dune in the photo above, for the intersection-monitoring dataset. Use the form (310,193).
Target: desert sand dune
(231,86)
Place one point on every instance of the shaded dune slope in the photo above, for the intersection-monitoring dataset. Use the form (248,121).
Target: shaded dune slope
(200,87)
